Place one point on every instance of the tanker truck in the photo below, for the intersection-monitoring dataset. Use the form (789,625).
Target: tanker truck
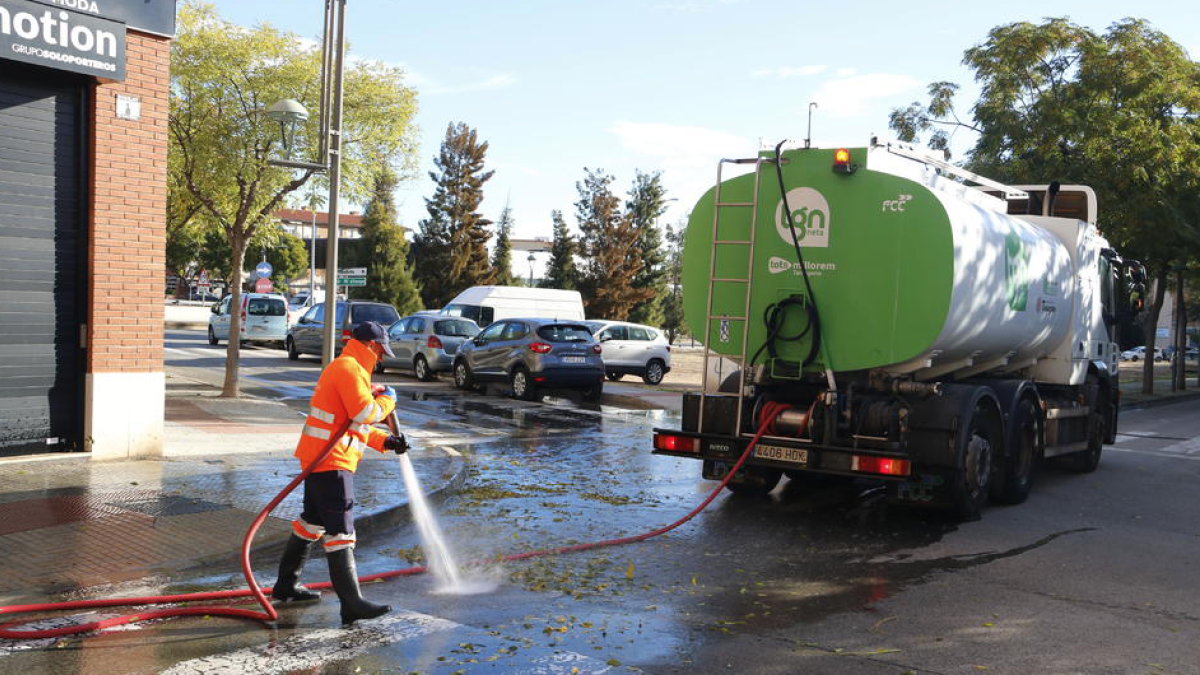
(879,312)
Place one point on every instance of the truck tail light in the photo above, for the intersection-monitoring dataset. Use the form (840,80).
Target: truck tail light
(673,443)
(881,465)
(596,349)
(539,348)
(433,342)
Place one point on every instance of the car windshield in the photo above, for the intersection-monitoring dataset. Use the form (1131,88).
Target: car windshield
(385,315)
(267,307)
(559,332)
(455,328)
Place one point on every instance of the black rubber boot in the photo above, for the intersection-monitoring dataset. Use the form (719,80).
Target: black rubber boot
(344,575)
(287,586)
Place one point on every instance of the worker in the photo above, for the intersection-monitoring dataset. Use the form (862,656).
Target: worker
(344,392)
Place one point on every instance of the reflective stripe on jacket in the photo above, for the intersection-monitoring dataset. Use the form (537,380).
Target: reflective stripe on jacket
(344,392)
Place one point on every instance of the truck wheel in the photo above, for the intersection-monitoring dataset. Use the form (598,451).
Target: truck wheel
(523,386)
(754,481)
(973,463)
(1023,450)
(293,353)
(1086,461)
(654,372)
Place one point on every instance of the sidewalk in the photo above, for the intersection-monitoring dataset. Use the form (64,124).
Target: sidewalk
(67,522)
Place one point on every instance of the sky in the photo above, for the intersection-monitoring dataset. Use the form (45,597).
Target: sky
(555,86)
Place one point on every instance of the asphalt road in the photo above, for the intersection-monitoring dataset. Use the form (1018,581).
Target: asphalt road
(1094,574)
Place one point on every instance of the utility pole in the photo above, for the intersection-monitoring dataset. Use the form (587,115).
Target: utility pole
(337,20)
(1179,356)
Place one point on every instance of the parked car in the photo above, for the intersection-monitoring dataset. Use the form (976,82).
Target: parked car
(532,355)
(306,335)
(426,343)
(1139,353)
(632,349)
(264,318)
(1190,355)
(485,304)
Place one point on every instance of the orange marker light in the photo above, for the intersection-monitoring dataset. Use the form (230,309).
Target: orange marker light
(841,161)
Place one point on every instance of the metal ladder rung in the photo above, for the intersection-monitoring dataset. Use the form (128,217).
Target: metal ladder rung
(744,242)
(730,317)
(724,204)
(741,281)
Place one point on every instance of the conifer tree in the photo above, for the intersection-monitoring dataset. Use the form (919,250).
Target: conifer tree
(385,251)
(502,253)
(609,243)
(673,320)
(647,202)
(450,252)
(561,271)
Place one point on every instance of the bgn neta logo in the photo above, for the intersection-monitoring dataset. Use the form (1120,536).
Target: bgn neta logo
(809,215)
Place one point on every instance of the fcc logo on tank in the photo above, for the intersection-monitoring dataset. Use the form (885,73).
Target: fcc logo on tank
(810,216)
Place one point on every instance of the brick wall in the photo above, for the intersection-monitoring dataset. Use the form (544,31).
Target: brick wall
(127,238)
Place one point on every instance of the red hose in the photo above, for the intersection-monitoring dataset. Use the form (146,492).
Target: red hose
(269,613)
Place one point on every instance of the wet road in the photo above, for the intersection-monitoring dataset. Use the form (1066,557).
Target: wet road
(1094,574)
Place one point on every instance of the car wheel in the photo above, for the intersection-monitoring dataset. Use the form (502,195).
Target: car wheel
(212,337)
(462,376)
(614,376)
(523,386)
(1133,358)
(293,354)
(421,369)
(654,372)
(594,393)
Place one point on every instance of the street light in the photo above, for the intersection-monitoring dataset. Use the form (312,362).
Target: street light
(531,259)
(288,113)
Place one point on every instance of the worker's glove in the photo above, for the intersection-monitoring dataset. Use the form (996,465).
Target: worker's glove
(397,443)
(388,392)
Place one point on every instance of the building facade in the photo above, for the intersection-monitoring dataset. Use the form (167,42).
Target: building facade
(83,163)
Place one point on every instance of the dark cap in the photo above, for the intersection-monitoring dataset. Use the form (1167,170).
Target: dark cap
(369,331)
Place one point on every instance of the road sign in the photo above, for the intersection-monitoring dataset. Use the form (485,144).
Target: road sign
(352,272)
(264,269)
(263,286)
(352,281)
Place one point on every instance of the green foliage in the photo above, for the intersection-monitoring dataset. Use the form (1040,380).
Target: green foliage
(450,252)
(560,271)
(1117,111)
(385,251)
(502,255)
(609,244)
(647,202)
(223,77)
(673,321)
(288,257)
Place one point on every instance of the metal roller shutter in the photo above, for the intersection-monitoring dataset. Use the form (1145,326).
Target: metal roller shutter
(42,240)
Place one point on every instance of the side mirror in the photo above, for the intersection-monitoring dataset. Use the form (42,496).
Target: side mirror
(216,308)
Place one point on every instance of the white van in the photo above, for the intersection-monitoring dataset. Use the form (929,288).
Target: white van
(485,304)
(264,318)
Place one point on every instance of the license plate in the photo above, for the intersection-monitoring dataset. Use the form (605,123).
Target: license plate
(574,359)
(782,454)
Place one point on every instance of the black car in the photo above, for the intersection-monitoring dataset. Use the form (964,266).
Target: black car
(306,335)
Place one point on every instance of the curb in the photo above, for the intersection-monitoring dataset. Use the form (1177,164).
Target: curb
(1156,402)
(185,325)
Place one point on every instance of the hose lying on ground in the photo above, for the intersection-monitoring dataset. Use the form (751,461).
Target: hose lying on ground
(268,612)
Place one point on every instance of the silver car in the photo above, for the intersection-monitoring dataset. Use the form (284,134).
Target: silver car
(426,343)
(532,355)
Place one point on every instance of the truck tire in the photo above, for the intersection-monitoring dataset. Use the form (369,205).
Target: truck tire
(1024,448)
(1087,461)
(976,446)
(755,481)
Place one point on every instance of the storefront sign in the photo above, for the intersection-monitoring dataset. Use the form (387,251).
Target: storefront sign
(150,16)
(64,40)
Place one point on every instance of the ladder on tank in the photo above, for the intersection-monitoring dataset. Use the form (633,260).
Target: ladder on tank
(725,320)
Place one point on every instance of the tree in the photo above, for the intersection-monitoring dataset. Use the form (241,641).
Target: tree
(560,271)
(1116,111)
(223,77)
(673,320)
(287,254)
(386,251)
(502,255)
(609,244)
(647,202)
(450,251)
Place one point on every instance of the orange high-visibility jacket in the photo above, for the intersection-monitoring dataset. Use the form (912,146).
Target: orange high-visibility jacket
(344,392)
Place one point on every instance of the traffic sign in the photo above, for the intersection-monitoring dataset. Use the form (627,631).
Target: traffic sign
(263,286)
(352,272)
(352,281)
(264,269)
